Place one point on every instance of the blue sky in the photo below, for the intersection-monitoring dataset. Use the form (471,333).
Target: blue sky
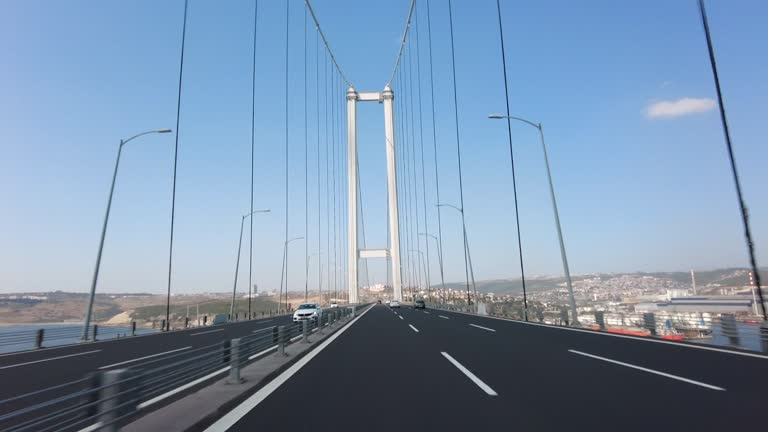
(636,192)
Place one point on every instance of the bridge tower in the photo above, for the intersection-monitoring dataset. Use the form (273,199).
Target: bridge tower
(355,254)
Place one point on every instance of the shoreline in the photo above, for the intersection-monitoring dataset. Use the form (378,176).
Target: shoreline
(12,324)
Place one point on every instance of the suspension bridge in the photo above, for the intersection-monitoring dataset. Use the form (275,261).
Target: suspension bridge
(363,364)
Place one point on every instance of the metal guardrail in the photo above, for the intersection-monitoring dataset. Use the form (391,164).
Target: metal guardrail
(38,338)
(717,329)
(47,336)
(105,400)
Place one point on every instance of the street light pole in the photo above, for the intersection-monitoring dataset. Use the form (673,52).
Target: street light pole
(285,269)
(440,259)
(104,229)
(466,249)
(237,264)
(426,273)
(566,270)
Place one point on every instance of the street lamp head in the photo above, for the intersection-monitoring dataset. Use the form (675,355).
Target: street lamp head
(496,116)
(164,131)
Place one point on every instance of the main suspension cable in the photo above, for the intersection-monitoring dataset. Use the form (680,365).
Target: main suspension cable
(325,42)
(402,42)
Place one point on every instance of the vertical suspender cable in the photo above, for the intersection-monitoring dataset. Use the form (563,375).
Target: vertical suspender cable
(317,128)
(405,183)
(306,171)
(434,142)
(362,219)
(285,247)
(175,165)
(327,184)
(253,145)
(343,186)
(458,148)
(401,269)
(401,179)
(512,161)
(734,171)
(414,169)
(423,166)
(335,189)
(407,179)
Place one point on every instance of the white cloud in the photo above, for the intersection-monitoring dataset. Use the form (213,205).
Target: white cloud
(680,107)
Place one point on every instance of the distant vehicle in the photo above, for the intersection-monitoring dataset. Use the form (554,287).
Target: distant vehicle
(378,301)
(307,311)
(419,304)
(219,319)
(394,304)
(334,305)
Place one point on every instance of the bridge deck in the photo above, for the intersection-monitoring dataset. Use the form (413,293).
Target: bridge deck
(387,372)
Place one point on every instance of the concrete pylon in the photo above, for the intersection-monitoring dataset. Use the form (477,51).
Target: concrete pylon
(386,97)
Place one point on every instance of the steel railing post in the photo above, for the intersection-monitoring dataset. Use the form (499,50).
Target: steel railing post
(305,331)
(729,328)
(649,322)
(281,341)
(133,328)
(110,399)
(39,338)
(600,319)
(764,336)
(226,351)
(234,363)
(95,332)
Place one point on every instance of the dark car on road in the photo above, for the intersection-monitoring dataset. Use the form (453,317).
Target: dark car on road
(419,304)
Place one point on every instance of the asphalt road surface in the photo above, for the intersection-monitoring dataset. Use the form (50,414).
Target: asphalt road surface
(413,370)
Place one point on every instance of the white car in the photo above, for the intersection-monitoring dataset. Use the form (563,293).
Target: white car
(334,305)
(394,304)
(307,311)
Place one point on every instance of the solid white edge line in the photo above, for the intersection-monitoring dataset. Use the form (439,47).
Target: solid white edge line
(91,428)
(47,359)
(486,388)
(182,388)
(443,316)
(232,417)
(209,331)
(261,353)
(675,377)
(145,357)
(641,339)
(481,327)
(414,328)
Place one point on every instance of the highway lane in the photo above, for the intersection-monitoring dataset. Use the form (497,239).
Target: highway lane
(411,370)
(30,371)
(535,368)
(378,375)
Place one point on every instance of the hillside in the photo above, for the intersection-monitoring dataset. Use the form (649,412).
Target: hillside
(730,277)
